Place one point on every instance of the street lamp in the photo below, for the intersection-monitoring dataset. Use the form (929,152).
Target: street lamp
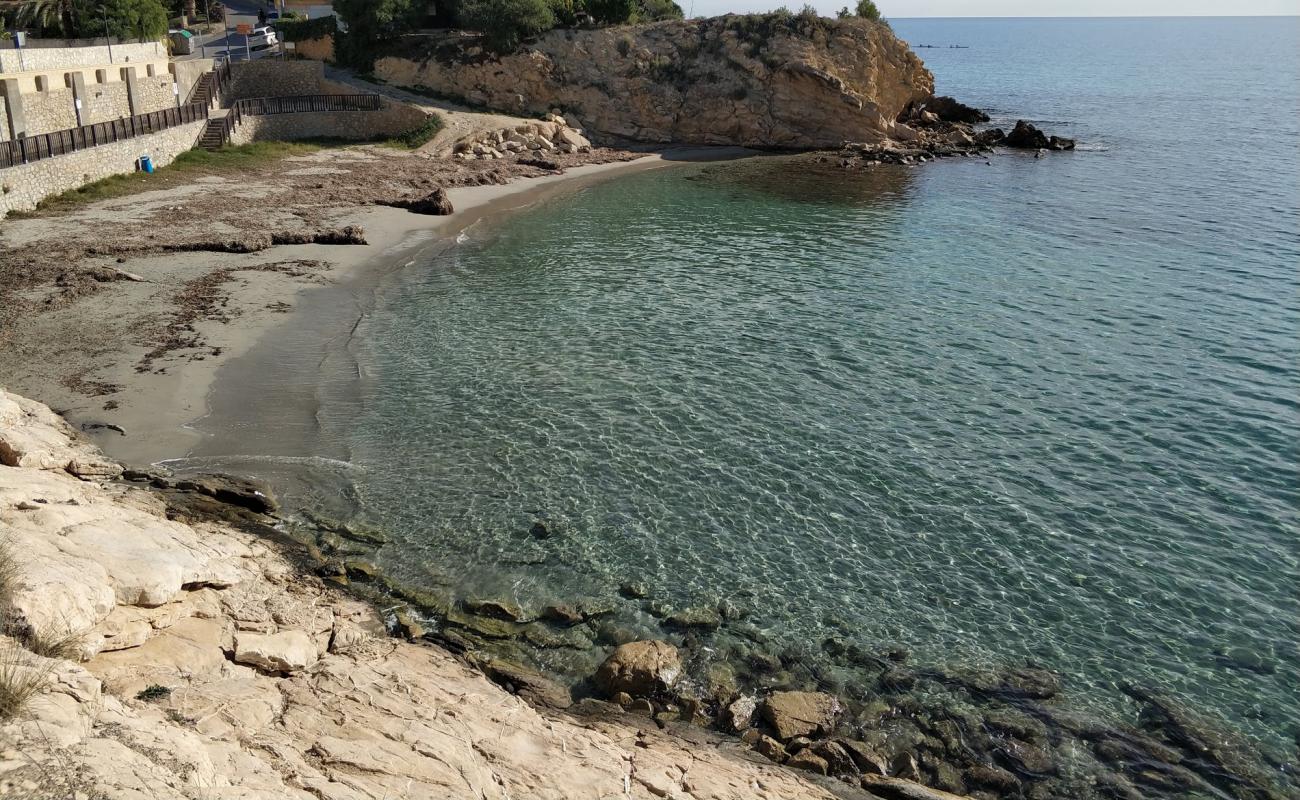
(108,40)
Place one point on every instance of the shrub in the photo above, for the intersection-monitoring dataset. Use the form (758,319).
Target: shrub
(22,677)
(506,23)
(867,10)
(301,30)
(153,692)
(612,12)
(656,10)
(420,135)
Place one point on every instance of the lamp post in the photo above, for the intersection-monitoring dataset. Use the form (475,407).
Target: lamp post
(103,12)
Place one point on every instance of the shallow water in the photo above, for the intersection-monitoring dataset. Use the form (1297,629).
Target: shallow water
(1031,410)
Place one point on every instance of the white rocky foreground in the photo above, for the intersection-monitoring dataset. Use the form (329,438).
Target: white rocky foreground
(272,685)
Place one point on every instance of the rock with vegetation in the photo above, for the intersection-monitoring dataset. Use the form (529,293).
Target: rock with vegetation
(777,80)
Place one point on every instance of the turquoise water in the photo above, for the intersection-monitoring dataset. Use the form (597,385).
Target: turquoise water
(1030,410)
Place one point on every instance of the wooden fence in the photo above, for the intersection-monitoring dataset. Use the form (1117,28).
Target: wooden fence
(297,104)
(48,145)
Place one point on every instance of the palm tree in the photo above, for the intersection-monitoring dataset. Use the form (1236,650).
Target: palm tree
(49,16)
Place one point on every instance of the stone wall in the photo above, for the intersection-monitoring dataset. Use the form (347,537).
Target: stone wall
(188,72)
(103,102)
(274,78)
(154,93)
(393,119)
(54,110)
(36,59)
(22,187)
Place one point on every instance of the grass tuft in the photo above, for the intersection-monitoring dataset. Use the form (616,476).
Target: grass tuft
(153,692)
(418,136)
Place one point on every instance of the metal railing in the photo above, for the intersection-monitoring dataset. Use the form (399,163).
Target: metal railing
(296,104)
(48,145)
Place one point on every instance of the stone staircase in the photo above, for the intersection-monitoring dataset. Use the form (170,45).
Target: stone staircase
(214,134)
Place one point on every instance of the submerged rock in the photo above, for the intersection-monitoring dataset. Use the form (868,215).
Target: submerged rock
(639,668)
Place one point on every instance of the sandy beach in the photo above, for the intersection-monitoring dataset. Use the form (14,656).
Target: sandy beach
(131,360)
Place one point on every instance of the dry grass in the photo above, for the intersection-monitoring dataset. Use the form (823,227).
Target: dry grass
(23,673)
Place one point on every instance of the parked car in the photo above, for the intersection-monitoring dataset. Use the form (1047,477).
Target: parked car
(263,36)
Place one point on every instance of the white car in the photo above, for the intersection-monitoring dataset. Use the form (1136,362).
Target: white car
(263,36)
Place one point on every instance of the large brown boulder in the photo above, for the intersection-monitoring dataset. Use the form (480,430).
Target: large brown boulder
(794,714)
(640,669)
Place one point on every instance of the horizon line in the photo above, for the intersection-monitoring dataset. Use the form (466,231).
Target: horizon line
(1099,16)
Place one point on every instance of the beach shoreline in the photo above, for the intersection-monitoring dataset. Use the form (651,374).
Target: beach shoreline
(86,361)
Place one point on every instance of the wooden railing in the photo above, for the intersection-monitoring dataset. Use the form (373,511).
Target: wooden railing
(47,145)
(296,104)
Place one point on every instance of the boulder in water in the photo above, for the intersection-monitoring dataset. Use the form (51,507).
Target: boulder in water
(639,668)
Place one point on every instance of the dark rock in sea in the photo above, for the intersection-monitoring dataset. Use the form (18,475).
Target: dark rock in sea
(360,570)
(699,618)
(1026,137)
(248,493)
(992,778)
(948,109)
(497,609)
(610,634)
(633,590)
(528,684)
(1026,759)
(562,614)
(539,531)
(865,757)
(1245,659)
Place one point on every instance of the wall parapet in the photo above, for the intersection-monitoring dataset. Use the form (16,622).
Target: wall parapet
(36,58)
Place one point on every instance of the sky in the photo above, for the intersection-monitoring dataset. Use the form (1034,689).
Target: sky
(1015,8)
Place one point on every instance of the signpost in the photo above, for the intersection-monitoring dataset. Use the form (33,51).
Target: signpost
(246,30)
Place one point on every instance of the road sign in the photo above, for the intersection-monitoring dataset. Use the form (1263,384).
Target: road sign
(244,28)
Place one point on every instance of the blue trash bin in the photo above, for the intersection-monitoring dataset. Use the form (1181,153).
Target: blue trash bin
(146,164)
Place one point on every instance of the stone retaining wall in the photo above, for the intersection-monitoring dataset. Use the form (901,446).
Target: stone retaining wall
(21,188)
(274,78)
(393,119)
(35,59)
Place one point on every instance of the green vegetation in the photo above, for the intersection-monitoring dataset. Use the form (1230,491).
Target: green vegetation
(301,30)
(153,692)
(865,9)
(83,19)
(186,167)
(503,23)
(419,135)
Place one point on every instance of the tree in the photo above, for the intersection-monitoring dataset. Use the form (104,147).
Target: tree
(369,22)
(656,10)
(49,18)
(126,19)
(867,9)
(506,23)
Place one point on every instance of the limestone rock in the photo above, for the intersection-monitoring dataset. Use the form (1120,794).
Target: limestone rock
(287,651)
(794,714)
(899,789)
(639,668)
(845,82)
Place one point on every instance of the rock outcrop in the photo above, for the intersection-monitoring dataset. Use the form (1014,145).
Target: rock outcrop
(640,668)
(775,80)
(206,665)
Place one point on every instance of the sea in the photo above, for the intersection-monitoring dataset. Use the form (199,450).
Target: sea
(992,411)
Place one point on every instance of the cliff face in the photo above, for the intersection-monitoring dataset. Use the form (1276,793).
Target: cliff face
(761,81)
